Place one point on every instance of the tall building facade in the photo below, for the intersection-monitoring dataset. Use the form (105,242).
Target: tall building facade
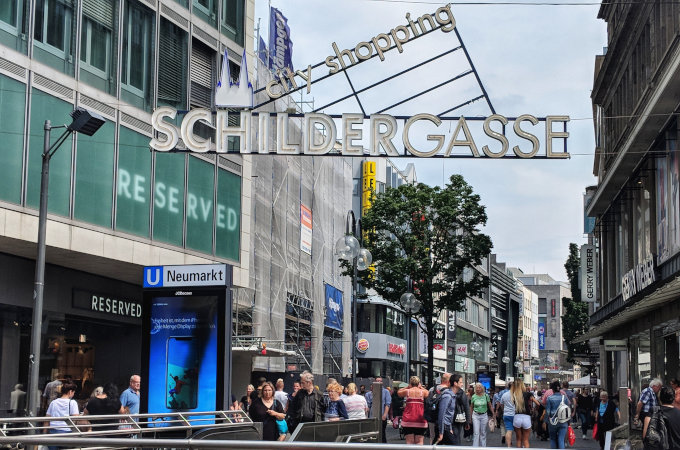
(636,204)
(114,206)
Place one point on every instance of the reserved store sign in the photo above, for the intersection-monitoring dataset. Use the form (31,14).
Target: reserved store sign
(105,303)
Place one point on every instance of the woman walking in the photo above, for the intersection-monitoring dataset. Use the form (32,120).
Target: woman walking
(607,415)
(355,404)
(267,410)
(481,405)
(558,430)
(106,403)
(61,407)
(412,420)
(508,414)
(247,399)
(523,400)
(336,408)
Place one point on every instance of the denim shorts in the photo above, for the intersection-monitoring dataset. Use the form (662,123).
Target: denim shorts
(507,420)
(522,421)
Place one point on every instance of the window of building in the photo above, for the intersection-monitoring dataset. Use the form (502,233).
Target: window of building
(53,33)
(138,55)
(395,323)
(93,200)
(199,208)
(8,13)
(13,99)
(202,69)
(233,20)
(133,187)
(168,198)
(13,24)
(172,66)
(97,44)
(206,10)
(228,215)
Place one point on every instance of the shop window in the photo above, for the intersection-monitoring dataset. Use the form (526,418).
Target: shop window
(172,66)
(168,198)
(228,215)
(199,206)
(12,106)
(53,33)
(94,176)
(133,185)
(206,10)
(233,20)
(138,55)
(43,107)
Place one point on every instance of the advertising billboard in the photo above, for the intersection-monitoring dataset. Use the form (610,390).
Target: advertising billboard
(334,308)
(541,335)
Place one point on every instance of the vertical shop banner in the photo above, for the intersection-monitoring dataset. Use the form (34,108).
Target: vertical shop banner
(334,308)
(280,44)
(183,354)
(541,335)
(588,273)
(439,335)
(305,229)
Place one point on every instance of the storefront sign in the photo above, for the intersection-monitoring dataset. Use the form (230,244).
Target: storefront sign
(541,336)
(615,345)
(104,303)
(189,275)
(462,349)
(553,307)
(439,335)
(451,329)
(588,273)
(396,349)
(638,278)
(362,345)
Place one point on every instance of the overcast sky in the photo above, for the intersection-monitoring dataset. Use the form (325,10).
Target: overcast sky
(534,59)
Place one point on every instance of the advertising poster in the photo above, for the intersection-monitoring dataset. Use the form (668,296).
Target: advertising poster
(280,45)
(334,309)
(541,335)
(183,354)
(305,229)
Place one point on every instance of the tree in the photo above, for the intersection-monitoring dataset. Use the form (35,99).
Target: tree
(430,235)
(576,319)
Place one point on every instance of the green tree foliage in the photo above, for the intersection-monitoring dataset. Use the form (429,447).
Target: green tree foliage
(432,235)
(576,320)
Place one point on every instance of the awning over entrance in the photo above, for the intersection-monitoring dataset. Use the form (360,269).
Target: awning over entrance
(652,301)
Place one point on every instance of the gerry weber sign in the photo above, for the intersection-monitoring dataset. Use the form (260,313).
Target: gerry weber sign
(361,134)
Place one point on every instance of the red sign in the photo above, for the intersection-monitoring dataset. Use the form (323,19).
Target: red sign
(362,345)
(397,349)
(553,311)
(438,347)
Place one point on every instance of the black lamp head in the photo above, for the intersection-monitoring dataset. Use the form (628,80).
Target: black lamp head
(85,122)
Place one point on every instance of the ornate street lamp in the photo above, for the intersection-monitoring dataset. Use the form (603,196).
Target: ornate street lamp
(349,249)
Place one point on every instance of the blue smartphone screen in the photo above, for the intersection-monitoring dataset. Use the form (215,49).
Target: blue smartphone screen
(182,373)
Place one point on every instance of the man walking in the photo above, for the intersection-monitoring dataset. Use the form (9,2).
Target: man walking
(648,401)
(307,405)
(280,395)
(129,398)
(447,412)
(462,408)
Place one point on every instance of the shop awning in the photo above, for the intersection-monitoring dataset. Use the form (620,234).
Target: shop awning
(656,299)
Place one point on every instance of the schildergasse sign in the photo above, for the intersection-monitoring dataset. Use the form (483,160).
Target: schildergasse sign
(359,133)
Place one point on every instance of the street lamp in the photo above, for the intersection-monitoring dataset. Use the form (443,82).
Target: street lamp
(411,305)
(348,248)
(87,123)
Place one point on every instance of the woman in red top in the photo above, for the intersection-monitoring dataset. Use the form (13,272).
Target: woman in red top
(412,420)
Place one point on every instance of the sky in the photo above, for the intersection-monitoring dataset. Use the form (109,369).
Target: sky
(531,59)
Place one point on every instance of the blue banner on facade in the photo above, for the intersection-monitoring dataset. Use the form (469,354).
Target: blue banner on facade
(541,336)
(280,44)
(334,309)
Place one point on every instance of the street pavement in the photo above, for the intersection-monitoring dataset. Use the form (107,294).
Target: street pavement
(494,440)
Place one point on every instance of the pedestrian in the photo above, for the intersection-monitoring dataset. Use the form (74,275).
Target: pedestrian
(335,408)
(671,416)
(481,408)
(413,420)
(469,393)
(647,402)
(291,396)
(557,430)
(584,405)
(307,406)
(462,420)
(62,407)
(106,403)
(384,407)
(524,401)
(355,404)
(362,390)
(606,416)
(280,395)
(433,392)
(267,410)
(52,391)
(447,412)
(247,399)
(17,400)
(508,408)
(129,399)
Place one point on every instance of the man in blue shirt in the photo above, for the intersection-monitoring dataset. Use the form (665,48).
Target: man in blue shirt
(648,401)
(386,403)
(447,412)
(129,399)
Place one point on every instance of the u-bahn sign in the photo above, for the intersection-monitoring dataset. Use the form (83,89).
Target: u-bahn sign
(361,134)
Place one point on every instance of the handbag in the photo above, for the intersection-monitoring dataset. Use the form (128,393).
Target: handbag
(282,426)
(460,418)
(595,431)
(571,436)
(492,425)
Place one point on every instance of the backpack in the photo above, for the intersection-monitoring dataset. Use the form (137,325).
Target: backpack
(657,434)
(562,414)
(431,410)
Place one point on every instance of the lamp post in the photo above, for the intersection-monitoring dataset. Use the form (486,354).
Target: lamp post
(411,305)
(87,123)
(348,248)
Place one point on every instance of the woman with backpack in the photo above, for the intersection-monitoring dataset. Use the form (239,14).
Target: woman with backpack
(413,420)
(557,417)
(523,400)
(606,416)
(481,406)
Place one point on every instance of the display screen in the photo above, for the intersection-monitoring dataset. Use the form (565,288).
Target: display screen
(485,379)
(183,354)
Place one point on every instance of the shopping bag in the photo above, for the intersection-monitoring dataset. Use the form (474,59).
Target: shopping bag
(492,424)
(595,431)
(571,436)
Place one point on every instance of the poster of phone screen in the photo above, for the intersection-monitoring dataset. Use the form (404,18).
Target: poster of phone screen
(183,354)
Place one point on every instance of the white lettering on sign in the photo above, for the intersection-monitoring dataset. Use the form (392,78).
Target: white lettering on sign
(638,278)
(131,186)
(115,306)
(333,305)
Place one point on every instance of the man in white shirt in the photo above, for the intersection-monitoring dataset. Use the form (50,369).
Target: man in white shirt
(280,395)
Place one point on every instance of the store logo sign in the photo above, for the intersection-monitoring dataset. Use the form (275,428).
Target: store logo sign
(231,94)
(189,275)
(362,345)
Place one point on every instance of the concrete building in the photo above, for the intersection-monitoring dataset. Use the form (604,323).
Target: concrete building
(636,205)
(528,332)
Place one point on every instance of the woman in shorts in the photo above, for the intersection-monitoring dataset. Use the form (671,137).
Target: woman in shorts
(524,400)
(412,421)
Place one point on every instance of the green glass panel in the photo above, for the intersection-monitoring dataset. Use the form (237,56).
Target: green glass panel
(228,220)
(94,176)
(200,195)
(45,107)
(134,183)
(12,106)
(168,203)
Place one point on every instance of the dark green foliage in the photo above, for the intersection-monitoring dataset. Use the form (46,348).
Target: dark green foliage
(576,320)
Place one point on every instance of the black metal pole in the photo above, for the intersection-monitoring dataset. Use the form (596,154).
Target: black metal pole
(354,322)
